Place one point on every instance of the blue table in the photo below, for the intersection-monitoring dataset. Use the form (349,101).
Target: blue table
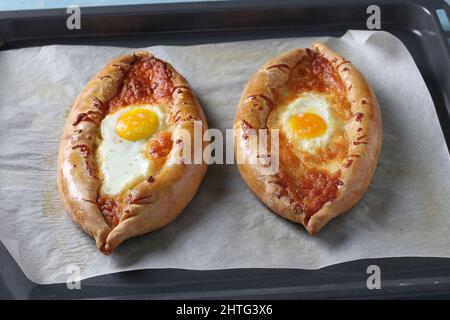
(46,4)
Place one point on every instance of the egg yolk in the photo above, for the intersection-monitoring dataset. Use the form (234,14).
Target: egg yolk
(137,124)
(307,125)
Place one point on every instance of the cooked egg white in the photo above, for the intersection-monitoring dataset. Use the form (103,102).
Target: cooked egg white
(309,122)
(120,154)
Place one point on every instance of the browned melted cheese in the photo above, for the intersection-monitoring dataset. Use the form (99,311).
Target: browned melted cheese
(148,81)
(307,186)
(158,148)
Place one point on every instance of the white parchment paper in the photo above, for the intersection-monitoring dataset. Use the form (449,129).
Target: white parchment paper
(404,213)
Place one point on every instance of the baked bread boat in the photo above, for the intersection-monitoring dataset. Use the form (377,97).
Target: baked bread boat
(121,171)
(329,126)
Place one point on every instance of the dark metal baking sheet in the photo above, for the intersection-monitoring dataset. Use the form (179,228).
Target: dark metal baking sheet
(414,22)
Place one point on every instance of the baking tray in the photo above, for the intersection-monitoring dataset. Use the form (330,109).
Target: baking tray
(416,23)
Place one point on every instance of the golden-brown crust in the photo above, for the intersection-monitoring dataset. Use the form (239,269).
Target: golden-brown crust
(147,207)
(362,129)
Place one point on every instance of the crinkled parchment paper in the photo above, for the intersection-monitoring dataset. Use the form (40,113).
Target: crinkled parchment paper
(404,213)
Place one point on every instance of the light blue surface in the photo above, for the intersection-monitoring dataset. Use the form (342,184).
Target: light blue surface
(443,19)
(46,4)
